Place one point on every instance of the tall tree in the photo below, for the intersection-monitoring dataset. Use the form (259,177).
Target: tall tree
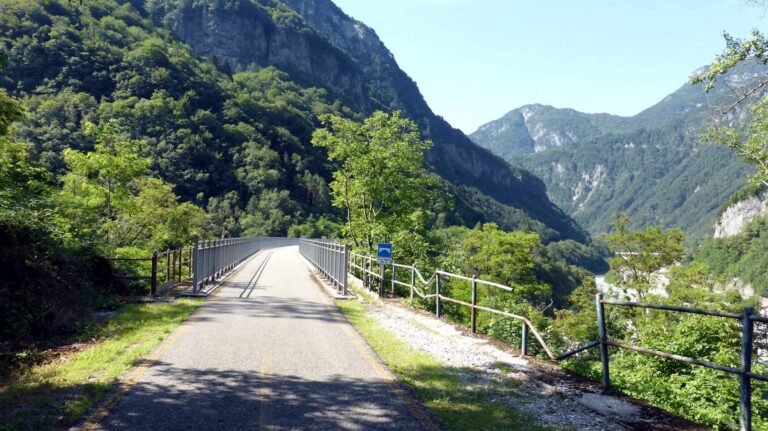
(748,142)
(640,254)
(380,182)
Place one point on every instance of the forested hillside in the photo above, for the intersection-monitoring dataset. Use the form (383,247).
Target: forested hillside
(652,166)
(231,132)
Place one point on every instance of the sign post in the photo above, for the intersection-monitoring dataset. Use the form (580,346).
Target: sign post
(383,257)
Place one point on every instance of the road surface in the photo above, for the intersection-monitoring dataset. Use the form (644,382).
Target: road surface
(268,352)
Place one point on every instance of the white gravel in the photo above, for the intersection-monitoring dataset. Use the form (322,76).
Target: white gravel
(561,405)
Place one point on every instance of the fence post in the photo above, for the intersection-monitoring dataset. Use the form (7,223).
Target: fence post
(167,265)
(437,295)
(413,279)
(473,315)
(747,327)
(393,278)
(346,270)
(173,266)
(524,339)
(603,338)
(195,271)
(153,283)
(181,260)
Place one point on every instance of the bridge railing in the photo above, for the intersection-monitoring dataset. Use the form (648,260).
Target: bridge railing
(410,277)
(418,285)
(214,258)
(330,258)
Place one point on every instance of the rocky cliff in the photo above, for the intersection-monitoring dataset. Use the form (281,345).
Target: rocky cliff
(318,45)
(738,214)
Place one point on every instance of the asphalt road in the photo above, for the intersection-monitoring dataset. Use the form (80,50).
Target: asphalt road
(268,352)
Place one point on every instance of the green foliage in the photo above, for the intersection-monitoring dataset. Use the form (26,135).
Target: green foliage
(743,256)
(381,183)
(57,391)
(748,143)
(241,139)
(316,227)
(571,252)
(640,254)
(47,285)
(110,201)
(652,166)
(736,52)
(705,396)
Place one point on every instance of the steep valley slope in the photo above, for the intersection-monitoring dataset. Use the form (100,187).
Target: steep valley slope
(226,94)
(652,166)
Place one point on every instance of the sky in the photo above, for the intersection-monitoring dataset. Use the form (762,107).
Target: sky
(475,60)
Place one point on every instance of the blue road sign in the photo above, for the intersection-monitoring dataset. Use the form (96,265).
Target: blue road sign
(384,253)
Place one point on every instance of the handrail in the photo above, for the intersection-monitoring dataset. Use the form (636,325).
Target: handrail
(330,258)
(434,277)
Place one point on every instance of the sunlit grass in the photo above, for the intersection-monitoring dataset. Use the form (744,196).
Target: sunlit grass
(459,405)
(56,394)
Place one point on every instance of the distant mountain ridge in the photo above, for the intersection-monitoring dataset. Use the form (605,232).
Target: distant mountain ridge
(318,45)
(651,165)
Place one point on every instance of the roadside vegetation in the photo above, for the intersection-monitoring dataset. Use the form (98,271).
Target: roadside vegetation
(144,146)
(440,388)
(53,389)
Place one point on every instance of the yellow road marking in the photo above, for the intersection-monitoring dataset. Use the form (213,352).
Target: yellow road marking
(381,371)
(264,393)
(134,375)
(137,372)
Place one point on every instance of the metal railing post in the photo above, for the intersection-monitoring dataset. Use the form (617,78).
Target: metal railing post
(473,315)
(393,277)
(437,295)
(524,339)
(153,282)
(746,368)
(181,262)
(346,269)
(603,338)
(167,265)
(413,279)
(196,262)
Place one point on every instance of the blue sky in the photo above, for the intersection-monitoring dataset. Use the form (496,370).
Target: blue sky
(475,60)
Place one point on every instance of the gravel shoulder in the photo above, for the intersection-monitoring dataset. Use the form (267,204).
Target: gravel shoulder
(543,390)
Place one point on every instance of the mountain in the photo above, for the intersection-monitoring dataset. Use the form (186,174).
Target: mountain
(318,45)
(651,166)
(226,94)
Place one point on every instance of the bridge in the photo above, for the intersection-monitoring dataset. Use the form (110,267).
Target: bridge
(268,350)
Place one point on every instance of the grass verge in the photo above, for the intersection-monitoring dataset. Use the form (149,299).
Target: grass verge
(446,391)
(54,395)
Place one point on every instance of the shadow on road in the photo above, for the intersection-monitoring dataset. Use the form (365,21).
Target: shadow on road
(211,399)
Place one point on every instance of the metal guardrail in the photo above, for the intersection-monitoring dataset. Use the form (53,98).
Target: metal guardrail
(747,318)
(365,266)
(162,276)
(330,258)
(214,258)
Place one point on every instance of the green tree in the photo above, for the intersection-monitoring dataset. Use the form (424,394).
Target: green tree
(748,142)
(380,182)
(110,199)
(640,254)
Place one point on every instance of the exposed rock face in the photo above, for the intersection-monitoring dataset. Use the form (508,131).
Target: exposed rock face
(535,128)
(652,165)
(326,48)
(733,219)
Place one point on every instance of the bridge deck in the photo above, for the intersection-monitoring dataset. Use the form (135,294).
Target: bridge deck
(268,351)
